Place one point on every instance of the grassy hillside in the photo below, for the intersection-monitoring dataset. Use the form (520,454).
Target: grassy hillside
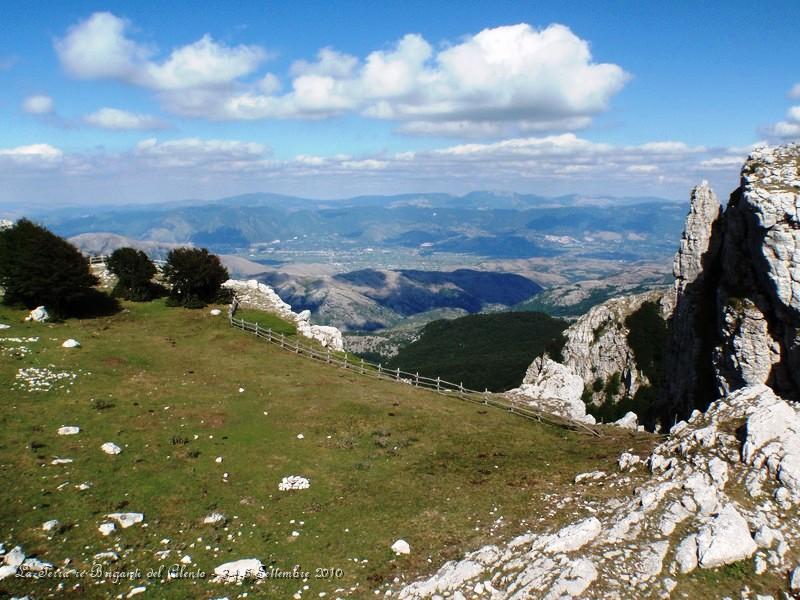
(385,461)
(485,351)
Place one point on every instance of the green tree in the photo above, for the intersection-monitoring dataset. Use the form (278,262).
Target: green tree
(195,277)
(38,268)
(134,272)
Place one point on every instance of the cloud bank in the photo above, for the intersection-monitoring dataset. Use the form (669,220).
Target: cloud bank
(193,167)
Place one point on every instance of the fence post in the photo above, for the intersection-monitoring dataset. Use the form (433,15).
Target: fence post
(438,383)
(345,360)
(380,370)
(297,347)
(255,331)
(416,380)
(269,334)
(397,377)
(283,340)
(362,366)
(328,358)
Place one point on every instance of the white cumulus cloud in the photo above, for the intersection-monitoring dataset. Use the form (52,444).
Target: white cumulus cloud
(38,105)
(500,81)
(114,118)
(100,48)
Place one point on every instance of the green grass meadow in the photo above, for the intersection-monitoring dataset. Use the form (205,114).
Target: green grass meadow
(385,461)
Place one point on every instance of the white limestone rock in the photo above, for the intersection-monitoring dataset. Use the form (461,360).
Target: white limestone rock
(401,547)
(554,388)
(238,570)
(50,525)
(627,460)
(107,528)
(252,294)
(724,540)
(214,518)
(38,314)
(110,448)
(69,430)
(629,421)
(294,482)
(215,312)
(127,519)
(71,343)
(573,537)
(15,557)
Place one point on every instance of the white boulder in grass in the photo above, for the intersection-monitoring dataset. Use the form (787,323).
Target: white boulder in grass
(294,482)
(238,570)
(107,528)
(125,520)
(38,314)
(69,430)
(50,525)
(215,312)
(110,448)
(214,518)
(4,326)
(629,421)
(71,343)
(401,547)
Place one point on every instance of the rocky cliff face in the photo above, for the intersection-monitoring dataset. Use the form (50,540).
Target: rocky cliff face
(737,286)
(597,347)
(734,310)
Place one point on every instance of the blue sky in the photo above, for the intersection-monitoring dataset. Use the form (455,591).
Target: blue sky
(157,101)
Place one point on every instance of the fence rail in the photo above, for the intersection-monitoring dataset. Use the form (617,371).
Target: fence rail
(102,259)
(377,371)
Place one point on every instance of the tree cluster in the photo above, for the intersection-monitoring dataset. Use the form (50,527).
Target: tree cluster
(38,268)
(194,276)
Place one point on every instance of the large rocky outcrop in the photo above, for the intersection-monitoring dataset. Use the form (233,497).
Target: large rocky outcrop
(597,347)
(734,310)
(737,285)
(252,294)
(711,498)
(554,388)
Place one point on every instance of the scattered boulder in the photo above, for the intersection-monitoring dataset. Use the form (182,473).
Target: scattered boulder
(4,326)
(554,388)
(294,482)
(110,448)
(125,520)
(38,314)
(215,312)
(107,528)
(627,460)
(629,421)
(214,518)
(724,540)
(50,525)
(15,557)
(401,547)
(238,570)
(71,343)
(69,430)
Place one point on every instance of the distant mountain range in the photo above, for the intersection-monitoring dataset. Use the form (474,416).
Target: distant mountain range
(487,224)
